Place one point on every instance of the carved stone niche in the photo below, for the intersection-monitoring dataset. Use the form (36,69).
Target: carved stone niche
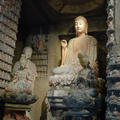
(81,100)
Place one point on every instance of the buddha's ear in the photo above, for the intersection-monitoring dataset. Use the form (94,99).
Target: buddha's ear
(86,30)
(76,34)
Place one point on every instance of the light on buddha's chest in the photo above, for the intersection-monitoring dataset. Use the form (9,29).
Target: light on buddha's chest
(81,43)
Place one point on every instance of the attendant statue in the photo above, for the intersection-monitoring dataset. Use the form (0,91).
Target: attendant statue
(20,90)
(23,78)
(30,65)
(70,51)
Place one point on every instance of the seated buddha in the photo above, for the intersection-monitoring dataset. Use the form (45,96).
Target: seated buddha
(70,65)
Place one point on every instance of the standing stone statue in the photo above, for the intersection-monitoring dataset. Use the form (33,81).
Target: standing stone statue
(20,90)
(24,78)
(30,65)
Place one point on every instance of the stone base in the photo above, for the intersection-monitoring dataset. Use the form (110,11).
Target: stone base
(16,112)
(57,110)
(55,98)
(18,107)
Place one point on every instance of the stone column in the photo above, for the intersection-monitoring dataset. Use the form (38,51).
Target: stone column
(113,69)
(9,15)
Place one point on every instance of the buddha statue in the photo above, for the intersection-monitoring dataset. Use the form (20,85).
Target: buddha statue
(82,42)
(70,51)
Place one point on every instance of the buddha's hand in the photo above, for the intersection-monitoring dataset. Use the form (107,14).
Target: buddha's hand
(64,43)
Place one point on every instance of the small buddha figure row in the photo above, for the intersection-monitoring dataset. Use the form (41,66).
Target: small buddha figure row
(6,57)
(6,48)
(113,99)
(4,75)
(16,3)
(5,67)
(39,57)
(40,62)
(113,115)
(10,24)
(9,32)
(6,39)
(3,83)
(113,59)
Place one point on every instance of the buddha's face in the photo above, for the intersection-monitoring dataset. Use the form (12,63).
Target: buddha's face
(80,26)
(28,53)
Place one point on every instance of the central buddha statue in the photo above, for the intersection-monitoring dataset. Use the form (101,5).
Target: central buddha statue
(70,65)
(76,81)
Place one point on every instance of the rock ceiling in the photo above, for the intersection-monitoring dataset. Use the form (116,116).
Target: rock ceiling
(43,12)
(75,6)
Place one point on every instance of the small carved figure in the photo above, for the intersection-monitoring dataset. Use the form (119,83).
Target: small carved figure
(115,73)
(115,115)
(112,99)
(118,59)
(108,114)
(111,60)
(116,86)
(118,99)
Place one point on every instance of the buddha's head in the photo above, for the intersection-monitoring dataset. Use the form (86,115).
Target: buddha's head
(28,52)
(23,61)
(81,25)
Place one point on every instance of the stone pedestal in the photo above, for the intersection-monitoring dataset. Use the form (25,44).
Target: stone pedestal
(16,112)
(55,104)
(57,109)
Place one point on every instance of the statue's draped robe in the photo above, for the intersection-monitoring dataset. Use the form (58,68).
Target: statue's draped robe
(65,74)
(88,45)
(30,66)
